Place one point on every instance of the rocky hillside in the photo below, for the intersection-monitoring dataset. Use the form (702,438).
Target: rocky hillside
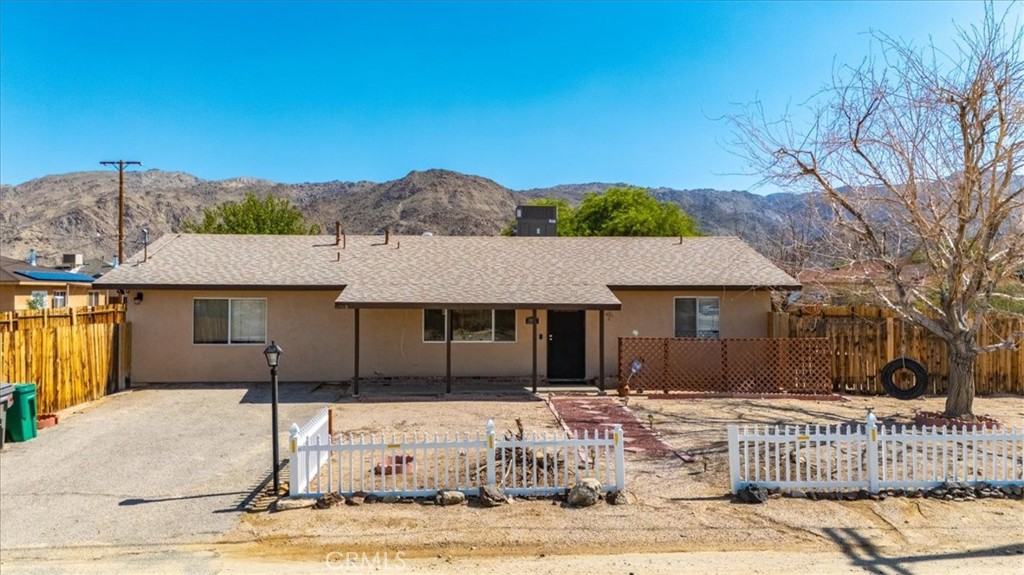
(77,212)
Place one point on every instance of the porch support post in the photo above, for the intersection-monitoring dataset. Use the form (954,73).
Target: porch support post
(448,352)
(355,357)
(600,350)
(533,321)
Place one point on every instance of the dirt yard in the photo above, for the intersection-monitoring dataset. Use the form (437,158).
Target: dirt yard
(681,507)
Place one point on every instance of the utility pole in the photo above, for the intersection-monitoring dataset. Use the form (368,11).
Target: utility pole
(121,164)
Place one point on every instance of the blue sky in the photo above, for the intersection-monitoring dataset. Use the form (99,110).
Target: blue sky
(527,94)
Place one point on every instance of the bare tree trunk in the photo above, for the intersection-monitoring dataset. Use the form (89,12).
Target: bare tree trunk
(960,395)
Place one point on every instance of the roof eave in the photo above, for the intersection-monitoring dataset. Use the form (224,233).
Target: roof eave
(222,287)
(708,287)
(478,305)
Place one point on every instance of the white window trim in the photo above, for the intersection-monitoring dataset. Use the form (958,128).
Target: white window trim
(61,294)
(696,310)
(423,339)
(229,342)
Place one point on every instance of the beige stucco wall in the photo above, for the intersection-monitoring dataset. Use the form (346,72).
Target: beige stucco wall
(652,314)
(317,338)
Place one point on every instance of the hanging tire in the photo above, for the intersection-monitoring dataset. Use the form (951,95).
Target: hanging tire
(903,392)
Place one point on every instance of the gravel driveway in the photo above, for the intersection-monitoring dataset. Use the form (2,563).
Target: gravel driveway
(155,465)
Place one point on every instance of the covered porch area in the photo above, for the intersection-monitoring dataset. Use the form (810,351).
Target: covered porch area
(526,337)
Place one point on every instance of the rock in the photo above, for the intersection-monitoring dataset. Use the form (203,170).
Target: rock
(797,494)
(289,503)
(354,501)
(585,493)
(752,494)
(390,498)
(492,496)
(371,498)
(447,497)
(621,498)
(328,501)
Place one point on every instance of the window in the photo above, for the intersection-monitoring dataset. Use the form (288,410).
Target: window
(696,316)
(60,299)
(229,321)
(487,325)
(38,300)
(94,298)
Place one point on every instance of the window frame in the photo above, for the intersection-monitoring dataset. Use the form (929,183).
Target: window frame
(59,295)
(94,298)
(447,327)
(230,341)
(696,316)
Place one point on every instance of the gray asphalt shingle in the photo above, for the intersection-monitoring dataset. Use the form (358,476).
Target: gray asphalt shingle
(454,270)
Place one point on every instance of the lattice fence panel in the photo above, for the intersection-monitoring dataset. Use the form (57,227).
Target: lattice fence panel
(727,365)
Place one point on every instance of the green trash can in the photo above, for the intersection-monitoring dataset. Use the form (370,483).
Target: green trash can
(21,417)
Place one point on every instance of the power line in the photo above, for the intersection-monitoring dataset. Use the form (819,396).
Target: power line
(121,164)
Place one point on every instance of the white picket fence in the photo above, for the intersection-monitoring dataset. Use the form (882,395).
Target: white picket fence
(421,465)
(872,457)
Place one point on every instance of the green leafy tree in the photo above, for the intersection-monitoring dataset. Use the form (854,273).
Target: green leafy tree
(628,212)
(253,216)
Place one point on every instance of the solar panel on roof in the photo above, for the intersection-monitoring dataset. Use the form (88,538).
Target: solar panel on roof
(55,276)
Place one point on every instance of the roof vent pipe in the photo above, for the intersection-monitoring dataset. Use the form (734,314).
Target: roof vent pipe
(32,257)
(337,232)
(145,244)
(114,263)
(387,235)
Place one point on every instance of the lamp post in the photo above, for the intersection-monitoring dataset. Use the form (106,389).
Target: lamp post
(273,354)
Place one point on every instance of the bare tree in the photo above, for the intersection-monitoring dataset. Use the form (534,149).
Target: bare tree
(916,152)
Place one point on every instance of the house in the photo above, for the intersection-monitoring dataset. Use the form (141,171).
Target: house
(24,285)
(854,283)
(429,306)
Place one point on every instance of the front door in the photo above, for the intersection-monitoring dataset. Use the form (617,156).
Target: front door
(567,345)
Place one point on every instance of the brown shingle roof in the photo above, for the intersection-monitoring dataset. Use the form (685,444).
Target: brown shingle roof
(417,271)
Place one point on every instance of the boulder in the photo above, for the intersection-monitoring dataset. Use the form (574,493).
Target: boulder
(447,497)
(492,496)
(752,494)
(328,501)
(585,493)
(288,503)
(390,498)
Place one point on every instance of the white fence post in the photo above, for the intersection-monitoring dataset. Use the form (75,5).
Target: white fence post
(490,453)
(293,461)
(734,458)
(871,432)
(620,459)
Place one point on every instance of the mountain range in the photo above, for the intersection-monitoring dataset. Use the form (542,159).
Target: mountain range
(77,212)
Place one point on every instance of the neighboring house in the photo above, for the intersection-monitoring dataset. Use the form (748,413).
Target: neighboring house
(852,284)
(94,268)
(22,282)
(415,305)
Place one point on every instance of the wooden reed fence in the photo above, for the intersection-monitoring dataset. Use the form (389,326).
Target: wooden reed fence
(70,364)
(32,319)
(865,338)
